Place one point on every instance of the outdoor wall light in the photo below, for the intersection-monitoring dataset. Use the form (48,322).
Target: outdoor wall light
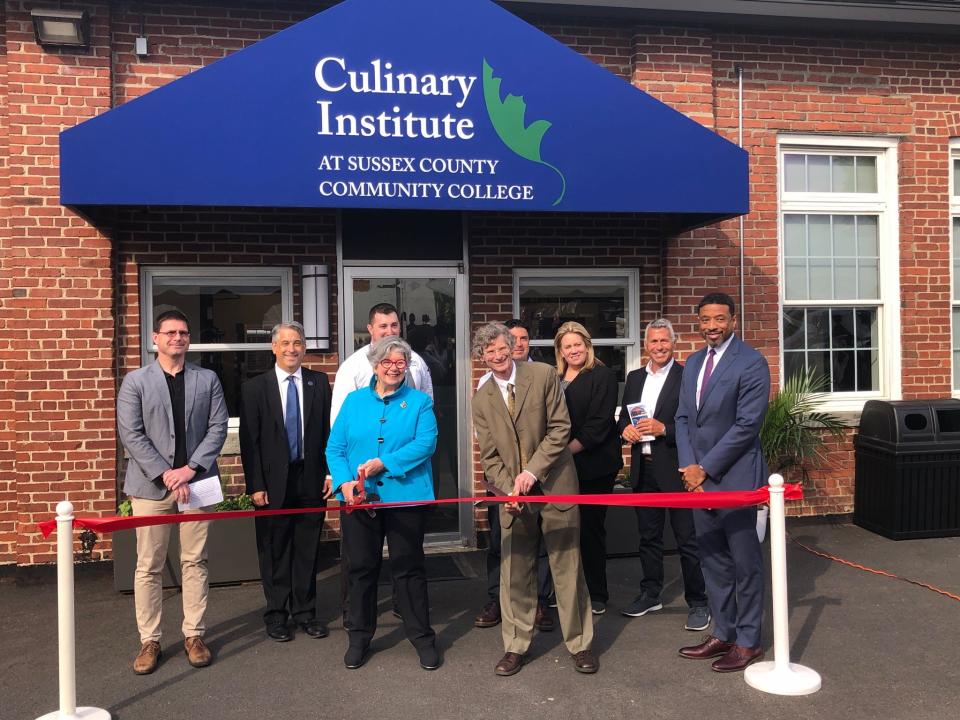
(66,28)
(316,305)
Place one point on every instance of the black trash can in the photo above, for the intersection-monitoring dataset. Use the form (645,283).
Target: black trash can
(907,457)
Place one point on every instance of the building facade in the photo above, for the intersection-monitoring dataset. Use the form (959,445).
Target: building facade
(844,263)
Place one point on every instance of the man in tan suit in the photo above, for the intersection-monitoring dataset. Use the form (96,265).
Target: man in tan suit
(523,428)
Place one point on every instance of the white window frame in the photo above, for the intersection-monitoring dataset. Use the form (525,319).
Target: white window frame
(884,204)
(632,342)
(954,155)
(212,275)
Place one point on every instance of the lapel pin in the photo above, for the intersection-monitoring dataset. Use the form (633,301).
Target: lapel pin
(403,404)
(310,383)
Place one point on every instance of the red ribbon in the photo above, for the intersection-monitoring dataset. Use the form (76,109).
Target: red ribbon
(709,500)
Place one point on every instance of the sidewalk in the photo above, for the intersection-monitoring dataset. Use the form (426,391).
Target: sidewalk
(884,648)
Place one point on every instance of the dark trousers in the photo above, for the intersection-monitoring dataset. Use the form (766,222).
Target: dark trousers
(593,537)
(287,550)
(363,536)
(732,563)
(544,580)
(650,522)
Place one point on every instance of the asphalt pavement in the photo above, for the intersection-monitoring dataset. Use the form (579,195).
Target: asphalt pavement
(884,648)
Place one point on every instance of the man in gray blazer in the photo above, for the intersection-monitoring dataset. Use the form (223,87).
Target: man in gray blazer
(723,400)
(172,421)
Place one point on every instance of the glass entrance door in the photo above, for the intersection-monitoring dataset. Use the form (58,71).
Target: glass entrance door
(430,302)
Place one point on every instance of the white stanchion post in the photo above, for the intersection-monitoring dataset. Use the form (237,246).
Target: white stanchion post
(780,677)
(65,625)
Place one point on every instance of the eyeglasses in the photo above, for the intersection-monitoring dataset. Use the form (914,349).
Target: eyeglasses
(171,334)
(398,364)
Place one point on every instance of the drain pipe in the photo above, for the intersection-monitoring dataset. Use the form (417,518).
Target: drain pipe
(743,314)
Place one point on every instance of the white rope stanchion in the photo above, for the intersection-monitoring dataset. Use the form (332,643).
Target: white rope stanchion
(780,677)
(65,625)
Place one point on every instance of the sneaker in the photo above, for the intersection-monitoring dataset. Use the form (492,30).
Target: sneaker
(698,618)
(642,605)
(597,608)
(147,659)
(198,654)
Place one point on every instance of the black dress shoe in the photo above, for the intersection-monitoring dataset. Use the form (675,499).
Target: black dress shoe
(314,628)
(355,656)
(429,657)
(279,633)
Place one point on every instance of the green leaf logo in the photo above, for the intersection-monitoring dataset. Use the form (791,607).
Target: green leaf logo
(507,119)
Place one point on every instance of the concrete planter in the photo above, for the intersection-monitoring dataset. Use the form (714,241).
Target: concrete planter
(231,552)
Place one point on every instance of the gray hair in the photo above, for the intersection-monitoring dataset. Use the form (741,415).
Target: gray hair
(387,345)
(489,333)
(661,323)
(292,325)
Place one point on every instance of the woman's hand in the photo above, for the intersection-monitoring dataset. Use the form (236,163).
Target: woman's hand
(371,468)
(352,492)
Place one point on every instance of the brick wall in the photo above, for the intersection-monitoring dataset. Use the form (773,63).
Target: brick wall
(57,310)
(69,302)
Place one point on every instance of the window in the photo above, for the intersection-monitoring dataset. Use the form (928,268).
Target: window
(839,264)
(605,302)
(231,313)
(955,250)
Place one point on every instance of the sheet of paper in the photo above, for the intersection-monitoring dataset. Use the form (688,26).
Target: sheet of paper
(203,492)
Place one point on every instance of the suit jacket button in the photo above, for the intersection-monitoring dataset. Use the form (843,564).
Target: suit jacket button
(380,482)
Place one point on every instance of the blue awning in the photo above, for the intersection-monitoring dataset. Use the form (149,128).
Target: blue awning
(405,104)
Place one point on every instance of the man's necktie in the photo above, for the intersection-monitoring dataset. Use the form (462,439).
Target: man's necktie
(291,419)
(707,372)
(512,400)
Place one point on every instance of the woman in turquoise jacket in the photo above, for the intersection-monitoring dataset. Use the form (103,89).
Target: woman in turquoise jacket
(379,451)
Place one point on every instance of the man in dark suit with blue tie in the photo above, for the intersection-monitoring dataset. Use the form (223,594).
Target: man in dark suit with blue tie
(723,400)
(284,425)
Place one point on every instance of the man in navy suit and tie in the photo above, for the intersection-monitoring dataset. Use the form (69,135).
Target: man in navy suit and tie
(284,426)
(723,400)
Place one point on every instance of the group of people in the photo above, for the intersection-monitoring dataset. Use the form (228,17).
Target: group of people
(540,429)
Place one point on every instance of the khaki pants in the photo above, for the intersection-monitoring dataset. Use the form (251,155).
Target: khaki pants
(518,577)
(152,553)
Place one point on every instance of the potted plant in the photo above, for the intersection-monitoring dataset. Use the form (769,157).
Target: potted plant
(792,435)
(793,431)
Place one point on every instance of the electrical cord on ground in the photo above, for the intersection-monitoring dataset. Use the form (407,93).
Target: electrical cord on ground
(883,573)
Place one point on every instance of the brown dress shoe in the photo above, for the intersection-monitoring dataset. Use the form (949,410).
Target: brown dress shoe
(585,662)
(509,664)
(198,654)
(709,648)
(737,659)
(542,621)
(147,659)
(489,616)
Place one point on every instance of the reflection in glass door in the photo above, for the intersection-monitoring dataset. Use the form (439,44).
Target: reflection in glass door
(427,301)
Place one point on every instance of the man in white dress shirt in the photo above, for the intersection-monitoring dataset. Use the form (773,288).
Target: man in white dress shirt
(355,372)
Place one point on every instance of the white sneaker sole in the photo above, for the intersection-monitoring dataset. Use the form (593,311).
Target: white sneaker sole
(698,628)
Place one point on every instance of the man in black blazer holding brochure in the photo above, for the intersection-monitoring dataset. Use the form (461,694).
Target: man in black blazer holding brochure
(284,425)
(653,468)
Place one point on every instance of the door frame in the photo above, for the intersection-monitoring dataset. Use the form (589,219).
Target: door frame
(465,536)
